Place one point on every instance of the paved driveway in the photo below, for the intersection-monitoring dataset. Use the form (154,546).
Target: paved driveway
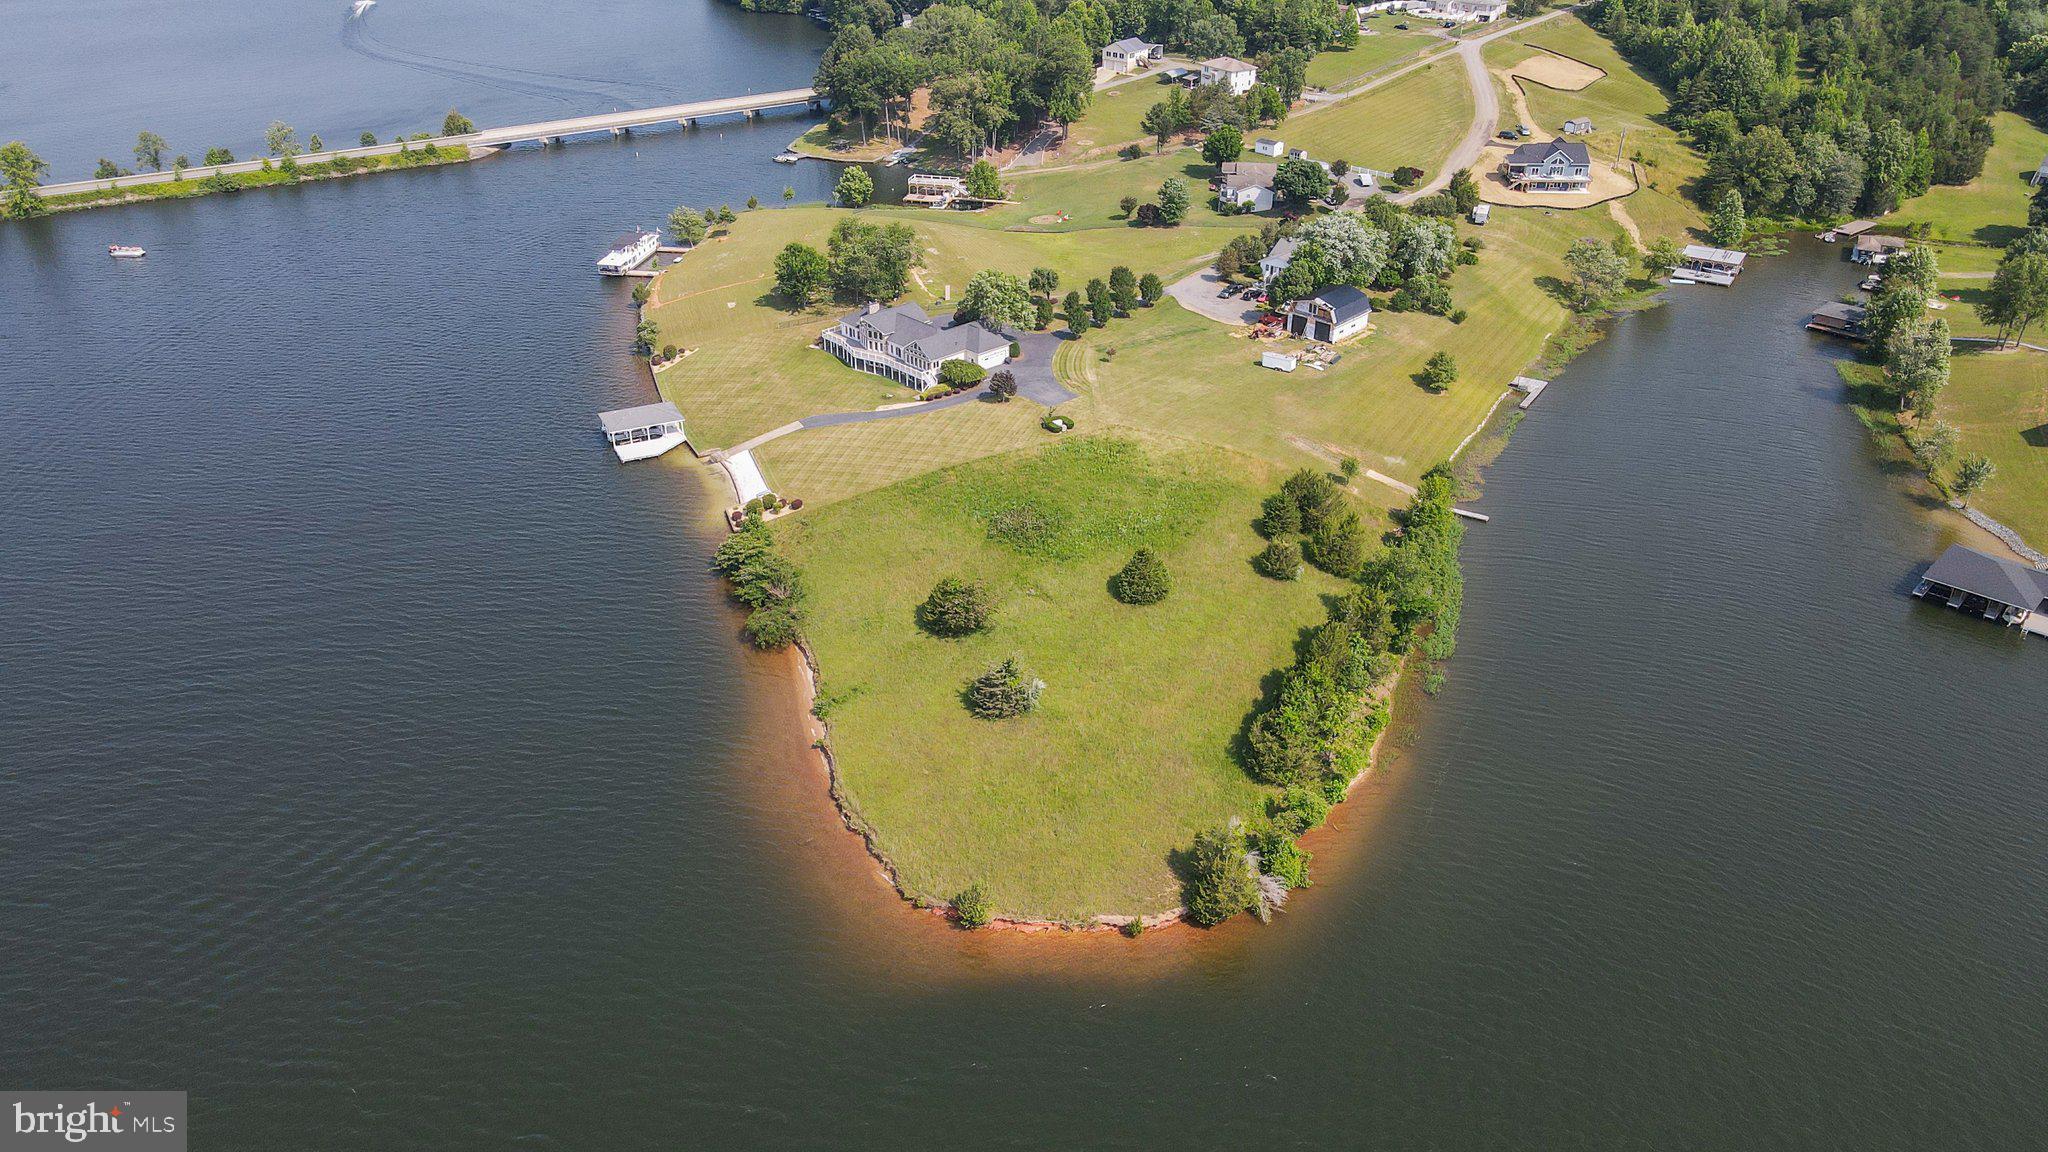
(1198,294)
(1033,370)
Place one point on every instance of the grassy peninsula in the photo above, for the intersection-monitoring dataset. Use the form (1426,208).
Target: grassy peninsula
(1137,737)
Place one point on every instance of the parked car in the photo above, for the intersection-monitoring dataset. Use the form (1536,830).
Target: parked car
(1402,26)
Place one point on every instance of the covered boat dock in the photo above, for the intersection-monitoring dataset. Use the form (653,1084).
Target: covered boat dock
(642,432)
(1989,586)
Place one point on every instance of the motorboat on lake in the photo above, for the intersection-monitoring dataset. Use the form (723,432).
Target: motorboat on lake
(125,251)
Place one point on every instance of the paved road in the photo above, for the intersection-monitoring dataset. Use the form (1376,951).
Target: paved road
(488,138)
(1035,380)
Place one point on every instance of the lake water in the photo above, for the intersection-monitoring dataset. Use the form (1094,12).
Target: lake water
(378,764)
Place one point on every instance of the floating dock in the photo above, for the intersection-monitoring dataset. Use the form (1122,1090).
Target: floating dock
(1530,385)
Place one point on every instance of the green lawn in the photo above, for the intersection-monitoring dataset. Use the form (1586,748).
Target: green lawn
(1113,113)
(1992,209)
(1999,401)
(1415,120)
(827,464)
(1072,810)
(1182,373)
(1627,111)
(1338,69)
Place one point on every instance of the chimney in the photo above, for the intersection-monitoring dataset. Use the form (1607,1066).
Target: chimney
(873,307)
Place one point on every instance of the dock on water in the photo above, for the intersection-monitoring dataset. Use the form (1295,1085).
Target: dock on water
(1995,588)
(1529,385)
(642,432)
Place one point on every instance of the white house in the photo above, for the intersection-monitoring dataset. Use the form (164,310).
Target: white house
(1244,182)
(1267,146)
(1276,261)
(1131,54)
(1559,166)
(1471,11)
(1232,73)
(1578,126)
(903,344)
(1330,315)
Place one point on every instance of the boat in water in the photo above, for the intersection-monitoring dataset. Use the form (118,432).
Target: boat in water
(361,6)
(125,251)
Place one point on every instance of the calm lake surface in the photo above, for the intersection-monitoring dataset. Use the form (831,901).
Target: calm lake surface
(378,764)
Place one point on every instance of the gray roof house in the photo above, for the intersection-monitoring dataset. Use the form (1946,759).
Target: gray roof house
(1578,126)
(904,344)
(1999,589)
(1838,319)
(1130,53)
(2040,173)
(1556,166)
(1276,261)
(1330,315)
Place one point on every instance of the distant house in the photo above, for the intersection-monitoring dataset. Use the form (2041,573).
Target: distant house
(1232,73)
(1297,154)
(1330,315)
(1131,54)
(905,345)
(1276,261)
(1838,319)
(1872,249)
(1559,166)
(1711,265)
(1995,588)
(1578,126)
(1267,146)
(1246,182)
(1471,11)
(2040,174)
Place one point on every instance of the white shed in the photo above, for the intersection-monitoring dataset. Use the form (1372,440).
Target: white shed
(1279,360)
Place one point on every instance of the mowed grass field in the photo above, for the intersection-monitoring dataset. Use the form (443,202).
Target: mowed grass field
(752,367)
(1999,402)
(1072,810)
(1182,373)
(1114,113)
(1627,111)
(1992,209)
(1339,68)
(1415,120)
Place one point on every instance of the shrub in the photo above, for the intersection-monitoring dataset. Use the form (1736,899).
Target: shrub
(1003,691)
(1127,205)
(1299,809)
(1142,581)
(973,907)
(1131,152)
(1002,386)
(1279,560)
(1220,883)
(1133,928)
(1314,496)
(1279,516)
(772,627)
(1056,424)
(955,607)
(960,373)
(1338,544)
(1280,857)
(1441,371)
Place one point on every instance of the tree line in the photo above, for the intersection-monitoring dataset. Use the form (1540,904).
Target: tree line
(1816,111)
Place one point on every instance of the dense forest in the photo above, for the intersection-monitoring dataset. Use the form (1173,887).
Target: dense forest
(1819,109)
(997,67)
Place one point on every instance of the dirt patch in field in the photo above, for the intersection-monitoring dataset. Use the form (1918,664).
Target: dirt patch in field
(1560,72)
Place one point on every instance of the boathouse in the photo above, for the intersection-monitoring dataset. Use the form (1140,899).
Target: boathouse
(1711,265)
(1838,319)
(643,432)
(1989,586)
(933,190)
(1872,249)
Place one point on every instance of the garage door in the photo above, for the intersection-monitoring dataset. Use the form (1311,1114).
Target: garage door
(1322,331)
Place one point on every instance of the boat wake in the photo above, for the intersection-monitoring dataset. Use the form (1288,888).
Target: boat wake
(580,92)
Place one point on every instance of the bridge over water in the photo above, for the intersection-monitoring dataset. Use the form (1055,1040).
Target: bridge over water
(544,132)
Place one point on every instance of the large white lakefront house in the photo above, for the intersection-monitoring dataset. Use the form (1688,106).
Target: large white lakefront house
(1559,166)
(905,345)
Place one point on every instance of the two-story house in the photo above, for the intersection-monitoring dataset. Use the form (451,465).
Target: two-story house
(904,344)
(1559,166)
(1131,54)
(1232,73)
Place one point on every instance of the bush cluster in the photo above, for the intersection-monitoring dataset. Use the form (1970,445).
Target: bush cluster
(767,582)
(1279,560)
(973,907)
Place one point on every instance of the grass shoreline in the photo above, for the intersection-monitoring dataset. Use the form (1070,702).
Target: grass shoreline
(190,189)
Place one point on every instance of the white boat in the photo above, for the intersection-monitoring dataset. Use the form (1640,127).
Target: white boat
(125,251)
(361,6)
(629,252)
(787,157)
